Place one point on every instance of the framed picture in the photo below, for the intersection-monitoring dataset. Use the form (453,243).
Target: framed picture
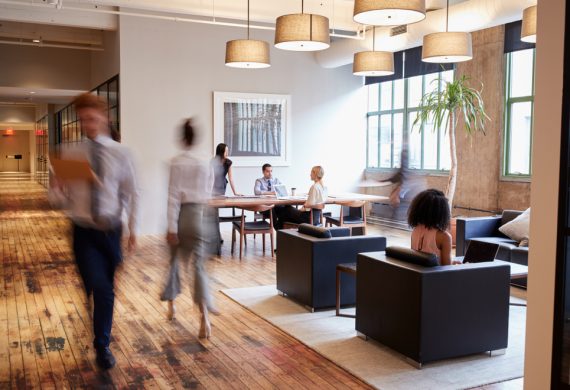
(255,126)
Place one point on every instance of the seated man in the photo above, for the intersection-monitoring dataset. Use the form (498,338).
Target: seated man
(266,186)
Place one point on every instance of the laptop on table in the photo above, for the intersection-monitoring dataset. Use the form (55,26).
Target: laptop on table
(479,252)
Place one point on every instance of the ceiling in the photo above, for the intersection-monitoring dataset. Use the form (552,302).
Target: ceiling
(24,95)
(101,14)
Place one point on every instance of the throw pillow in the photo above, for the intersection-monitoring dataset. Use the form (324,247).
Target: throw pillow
(518,228)
(314,231)
(412,256)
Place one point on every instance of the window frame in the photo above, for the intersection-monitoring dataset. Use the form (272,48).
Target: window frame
(405,111)
(508,102)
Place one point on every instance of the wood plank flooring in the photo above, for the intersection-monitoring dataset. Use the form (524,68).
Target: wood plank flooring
(45,325)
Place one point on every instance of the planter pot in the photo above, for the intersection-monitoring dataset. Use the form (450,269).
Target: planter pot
(453,231)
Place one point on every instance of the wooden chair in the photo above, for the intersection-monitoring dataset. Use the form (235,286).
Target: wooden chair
(256,227)
(356,216)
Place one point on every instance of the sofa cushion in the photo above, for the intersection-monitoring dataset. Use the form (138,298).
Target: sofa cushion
(412,256)
(314,231)
(504,241)
(520,256)
(518,228)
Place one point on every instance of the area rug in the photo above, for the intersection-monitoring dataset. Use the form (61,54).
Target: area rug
(335,338)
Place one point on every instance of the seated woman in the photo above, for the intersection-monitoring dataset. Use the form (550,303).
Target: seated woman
(315,201)
(429,216)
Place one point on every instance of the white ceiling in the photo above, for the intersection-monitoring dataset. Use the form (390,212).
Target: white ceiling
(23,95)
(98,14)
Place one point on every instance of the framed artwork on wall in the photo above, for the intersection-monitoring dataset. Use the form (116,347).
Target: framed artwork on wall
(255,126)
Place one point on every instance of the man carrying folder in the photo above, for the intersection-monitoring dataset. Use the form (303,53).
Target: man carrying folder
(95,199)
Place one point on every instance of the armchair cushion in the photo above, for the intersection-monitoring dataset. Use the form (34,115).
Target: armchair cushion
(412,256)
(339,232)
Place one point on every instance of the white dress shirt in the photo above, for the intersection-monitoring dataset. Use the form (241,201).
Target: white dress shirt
(118,190)
(191,181)
(263,185)
(317,195)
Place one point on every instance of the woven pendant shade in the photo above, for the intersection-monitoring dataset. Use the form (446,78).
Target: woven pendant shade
(373,63)
(389,12)
(446,47)
(302,32)
(247,53)
(528,31)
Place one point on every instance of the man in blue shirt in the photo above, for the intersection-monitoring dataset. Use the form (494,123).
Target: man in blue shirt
(266,186)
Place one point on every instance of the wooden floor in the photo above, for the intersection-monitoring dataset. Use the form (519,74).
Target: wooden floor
(45,327)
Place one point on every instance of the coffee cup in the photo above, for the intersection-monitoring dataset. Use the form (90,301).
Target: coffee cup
(293,190)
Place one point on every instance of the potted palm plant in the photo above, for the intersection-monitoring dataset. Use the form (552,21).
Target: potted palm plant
(444,107)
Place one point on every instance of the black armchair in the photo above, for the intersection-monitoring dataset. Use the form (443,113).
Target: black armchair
(306,265)
(432,313)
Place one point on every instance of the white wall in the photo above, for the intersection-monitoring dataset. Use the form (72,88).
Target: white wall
(544,193)
(44,67)
(170,70)
(105,64)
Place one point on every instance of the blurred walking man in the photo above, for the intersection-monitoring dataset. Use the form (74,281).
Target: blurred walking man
(96,208)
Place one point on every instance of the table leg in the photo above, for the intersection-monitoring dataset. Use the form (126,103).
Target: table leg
(337,292)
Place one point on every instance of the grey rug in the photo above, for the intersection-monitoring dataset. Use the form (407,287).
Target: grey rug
(335,338)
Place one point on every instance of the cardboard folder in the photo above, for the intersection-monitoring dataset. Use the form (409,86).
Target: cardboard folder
(67,170)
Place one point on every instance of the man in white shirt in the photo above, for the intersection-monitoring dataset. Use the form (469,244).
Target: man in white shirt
(95,208)
(266,186)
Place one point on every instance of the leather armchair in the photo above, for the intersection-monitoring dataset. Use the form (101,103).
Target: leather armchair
(432,313)
(306,265)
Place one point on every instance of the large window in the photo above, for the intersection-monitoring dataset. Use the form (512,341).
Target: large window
(68,129)
(518,113)
(392,109)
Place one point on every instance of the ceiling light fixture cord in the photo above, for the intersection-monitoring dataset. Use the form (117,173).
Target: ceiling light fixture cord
(447,17)
(248,19)
(302,6)
(373,38)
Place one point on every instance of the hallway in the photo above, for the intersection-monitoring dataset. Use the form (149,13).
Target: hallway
(46,329)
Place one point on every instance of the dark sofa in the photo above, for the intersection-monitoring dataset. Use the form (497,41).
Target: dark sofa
(432,313)
(306,265)
(486,229)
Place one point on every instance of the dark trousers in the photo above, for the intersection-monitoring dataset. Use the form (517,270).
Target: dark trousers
(281,214)
(298,216)
(97,254)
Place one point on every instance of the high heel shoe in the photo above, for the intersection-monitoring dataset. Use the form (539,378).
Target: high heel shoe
(171,310)
(205,329)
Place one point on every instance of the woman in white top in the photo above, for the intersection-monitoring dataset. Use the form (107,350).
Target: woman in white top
(189,226)
(316,199)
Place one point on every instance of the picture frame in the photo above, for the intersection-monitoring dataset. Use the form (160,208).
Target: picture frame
(255,126)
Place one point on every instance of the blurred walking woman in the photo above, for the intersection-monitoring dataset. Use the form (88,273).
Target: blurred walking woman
(189,225)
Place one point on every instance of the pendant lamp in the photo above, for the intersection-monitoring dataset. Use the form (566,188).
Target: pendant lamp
(447,47)
(373,63)
(247,53)
(302,32)
(389,12)
(528,31)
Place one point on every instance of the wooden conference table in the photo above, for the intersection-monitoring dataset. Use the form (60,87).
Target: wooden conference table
(248,201)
